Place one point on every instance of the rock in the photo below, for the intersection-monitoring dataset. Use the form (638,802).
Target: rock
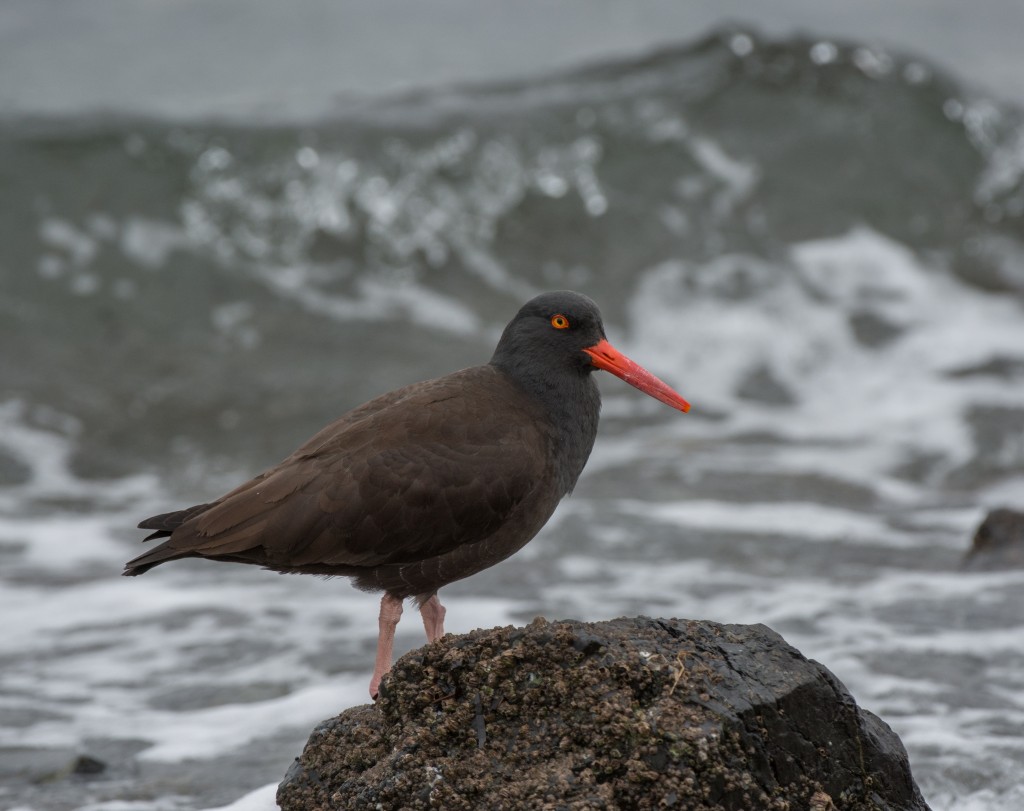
(999,542)
(84,764)
(631,713)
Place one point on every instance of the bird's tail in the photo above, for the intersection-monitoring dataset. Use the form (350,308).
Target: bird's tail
(164,525)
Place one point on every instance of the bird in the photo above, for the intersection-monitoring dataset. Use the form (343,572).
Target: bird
(427,484)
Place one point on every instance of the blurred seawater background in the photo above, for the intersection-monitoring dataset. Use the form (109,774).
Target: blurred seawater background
(223,226)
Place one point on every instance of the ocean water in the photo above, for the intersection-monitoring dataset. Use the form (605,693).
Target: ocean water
(820,244)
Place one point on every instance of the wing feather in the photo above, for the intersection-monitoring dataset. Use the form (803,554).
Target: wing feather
(407,477)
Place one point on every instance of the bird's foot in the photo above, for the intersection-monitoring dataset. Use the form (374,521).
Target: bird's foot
(390,614)
(433,618)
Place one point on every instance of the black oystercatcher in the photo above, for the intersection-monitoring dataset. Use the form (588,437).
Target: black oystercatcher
(430,483)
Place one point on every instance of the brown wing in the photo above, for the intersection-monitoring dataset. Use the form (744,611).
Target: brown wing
(411,475)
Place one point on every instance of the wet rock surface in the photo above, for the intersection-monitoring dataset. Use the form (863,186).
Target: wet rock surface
(998,543)
(630,713)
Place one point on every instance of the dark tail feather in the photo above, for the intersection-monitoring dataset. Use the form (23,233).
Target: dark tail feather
(154,557)
(164,524)
(168,522)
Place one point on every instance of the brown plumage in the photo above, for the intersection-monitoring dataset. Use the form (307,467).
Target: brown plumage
(427,484)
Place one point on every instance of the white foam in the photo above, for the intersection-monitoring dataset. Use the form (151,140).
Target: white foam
(150,242)
(45,452)
(229,727)
(983,800)
(886,405)
(789,518)
(262,799)
(74,242)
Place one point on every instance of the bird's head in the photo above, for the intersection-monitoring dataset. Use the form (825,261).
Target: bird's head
(562,332)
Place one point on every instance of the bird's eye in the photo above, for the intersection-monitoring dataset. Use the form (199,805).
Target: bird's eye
(559,321)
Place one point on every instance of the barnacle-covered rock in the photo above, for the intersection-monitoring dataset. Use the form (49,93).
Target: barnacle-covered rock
(630,713)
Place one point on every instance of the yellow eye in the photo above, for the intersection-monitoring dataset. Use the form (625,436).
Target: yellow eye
(559,321)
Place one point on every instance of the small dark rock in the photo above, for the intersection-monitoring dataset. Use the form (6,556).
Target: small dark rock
(872,330)
(330,246)
(630,713)
(999,542)
(83,764)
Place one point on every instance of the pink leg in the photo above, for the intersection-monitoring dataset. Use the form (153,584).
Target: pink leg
(390,614)
(433,618)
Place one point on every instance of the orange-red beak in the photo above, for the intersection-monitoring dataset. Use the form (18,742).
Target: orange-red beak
(605,356)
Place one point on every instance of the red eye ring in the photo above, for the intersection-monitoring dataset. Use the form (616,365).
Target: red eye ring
(559,321)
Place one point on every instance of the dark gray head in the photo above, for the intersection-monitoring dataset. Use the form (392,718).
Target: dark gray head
(549,335)
(550,348)
(544,350)
(558,338)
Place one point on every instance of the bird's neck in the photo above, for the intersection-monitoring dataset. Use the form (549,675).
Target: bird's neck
(571,403)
